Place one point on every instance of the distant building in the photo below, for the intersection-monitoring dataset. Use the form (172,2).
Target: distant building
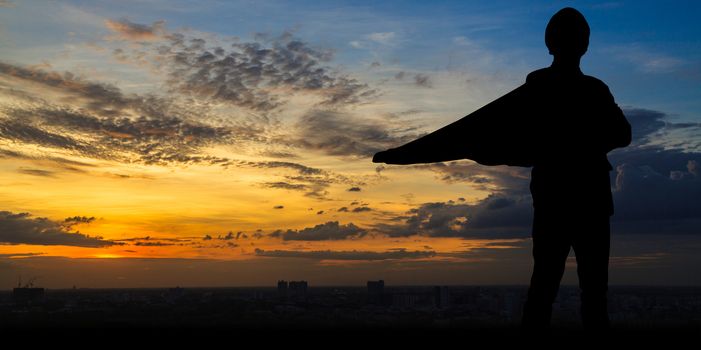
(405,300)
(441,297)
(282,288)
(376,291)
(298,289)
(292,289)
(376,287)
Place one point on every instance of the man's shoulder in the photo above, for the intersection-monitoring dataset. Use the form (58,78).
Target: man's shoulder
(538,74)
(548,73)
(594,81)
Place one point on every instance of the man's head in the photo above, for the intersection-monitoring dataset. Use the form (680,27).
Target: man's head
(567,34)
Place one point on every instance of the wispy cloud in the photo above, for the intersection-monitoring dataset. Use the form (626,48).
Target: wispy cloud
(106,123)
(385,38)
(127,30)
(36,172)
(647,60)
(342,134)
(347,255)
(149,139)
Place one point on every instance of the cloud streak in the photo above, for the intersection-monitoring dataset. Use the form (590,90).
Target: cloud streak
(331,230)
(497,216)
(342,134)
(347,255)
(127,30)
(21,228)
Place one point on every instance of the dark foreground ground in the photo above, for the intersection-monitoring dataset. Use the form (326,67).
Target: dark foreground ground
(341,315)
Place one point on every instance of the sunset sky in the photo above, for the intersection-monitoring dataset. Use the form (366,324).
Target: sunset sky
(229,143)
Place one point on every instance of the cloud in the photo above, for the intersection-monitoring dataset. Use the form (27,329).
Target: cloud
(257,75)
(152,244)
(229,236)
(513,180)
(20,228)
(36,172)
(127,30)
(343,134)
(653,128)
(151,139)
(645,60)
(107,124)
(643,195)
(654,186)
(79,219)
(149,241)
(19,255)
(302,169)
(331,230)
(497,216)
(420,79)
(19,130)
(104,99)
(361,209)
(423,80)
(656,181)
(47,160)
(347,255)
(69,222)
(312,181)
(286,186)
(356,44)
(384,38)
(644,123)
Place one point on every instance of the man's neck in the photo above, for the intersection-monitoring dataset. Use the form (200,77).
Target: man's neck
(568,64)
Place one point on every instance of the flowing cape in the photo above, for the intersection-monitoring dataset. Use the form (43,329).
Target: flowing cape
(496,134)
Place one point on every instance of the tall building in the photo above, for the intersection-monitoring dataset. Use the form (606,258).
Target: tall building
(298,289)
(376,291)
(27,293)
(282,288)
(441,297)
(376,287)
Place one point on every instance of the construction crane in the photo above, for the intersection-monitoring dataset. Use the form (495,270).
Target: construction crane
(29,284)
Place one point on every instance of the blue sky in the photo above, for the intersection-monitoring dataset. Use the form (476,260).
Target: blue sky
(647,51)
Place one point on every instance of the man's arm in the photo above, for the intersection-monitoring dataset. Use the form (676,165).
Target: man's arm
(487,136)
(617,131)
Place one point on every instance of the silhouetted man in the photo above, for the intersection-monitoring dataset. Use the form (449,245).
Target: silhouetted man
(565,123)
(570,181)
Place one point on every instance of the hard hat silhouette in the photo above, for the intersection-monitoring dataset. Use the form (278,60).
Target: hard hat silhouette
(567,33)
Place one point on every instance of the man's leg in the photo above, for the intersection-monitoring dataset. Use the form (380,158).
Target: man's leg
(551,245)
(591,246)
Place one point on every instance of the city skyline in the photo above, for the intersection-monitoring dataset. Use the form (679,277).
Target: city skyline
(155,144)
